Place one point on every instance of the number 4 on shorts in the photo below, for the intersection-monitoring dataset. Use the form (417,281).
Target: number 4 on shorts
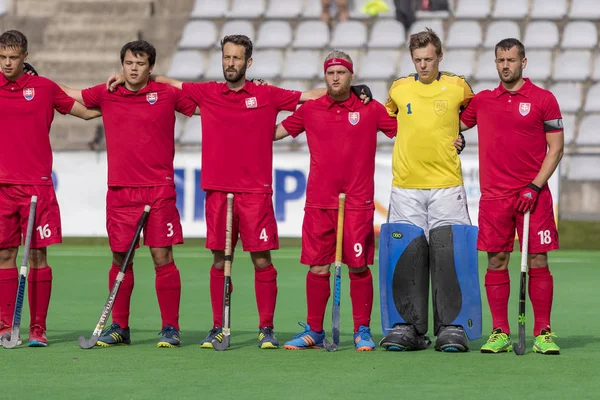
(263,235)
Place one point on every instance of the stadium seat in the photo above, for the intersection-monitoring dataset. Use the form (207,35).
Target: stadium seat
(568,96)
(464,34)
(569,128)
(498,30)
(486,67)
(209,9)
(435,24)
(311,35)
(479,9)
(302,64)
(588,131)
(274,35)
(596,74)
(544,9)
(539,65)
(484,85)
(349,34)
(572,65)
(579,35)
(583,168)
(459,62)
(237,28)
(289,9)
(192,131)
(187,65)
(3,7)
(198,35)
(246,9)
(301,86)
(387,33)
(355,12)
(540,35)
(379,64)
(592,102)
(510,9)
(312,9)
(406,66)
(379,88)
(214,69)
(267,64)
(585,9)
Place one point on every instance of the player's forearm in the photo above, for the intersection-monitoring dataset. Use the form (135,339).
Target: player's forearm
(312,94)
(72,93)
(463,127)
(549,165)
(280,133)
(168,81)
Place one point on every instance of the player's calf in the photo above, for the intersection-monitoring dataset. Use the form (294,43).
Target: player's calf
(306,339)
(115,335)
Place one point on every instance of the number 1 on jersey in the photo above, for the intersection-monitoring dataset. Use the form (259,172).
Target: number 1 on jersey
(408,110)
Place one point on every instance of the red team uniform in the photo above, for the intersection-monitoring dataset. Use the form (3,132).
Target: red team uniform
(140,143)
(512,145)
(342,139)
(26,111)
(237,157)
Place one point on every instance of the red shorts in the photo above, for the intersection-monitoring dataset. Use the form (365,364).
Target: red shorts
(319,234)
(498,219)
(14,214)
(253,220)
(124,207)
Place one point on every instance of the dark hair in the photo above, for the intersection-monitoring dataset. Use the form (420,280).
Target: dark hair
(240,40)
(507,44)
(422,39)
(14,39)
(140,47)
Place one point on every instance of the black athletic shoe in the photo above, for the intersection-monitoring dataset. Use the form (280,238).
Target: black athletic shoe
(404,338)
(452,339)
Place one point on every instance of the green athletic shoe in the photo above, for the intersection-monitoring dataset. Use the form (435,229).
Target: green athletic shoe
(544,343)
(499,342)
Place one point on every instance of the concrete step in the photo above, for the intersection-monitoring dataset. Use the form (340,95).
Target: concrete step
(36,8)
(134,9)
(73,39)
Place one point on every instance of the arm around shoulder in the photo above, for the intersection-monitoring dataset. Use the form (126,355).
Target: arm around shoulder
(81,111)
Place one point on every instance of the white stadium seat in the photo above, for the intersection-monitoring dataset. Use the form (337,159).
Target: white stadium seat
(246,9)
(568,96)
(237,28)
(579,35)
(288,9)
(302,64)
(312,9)
(510,9)
(267,64)
(435,24)
(479,9)
(498,30)
(406,66)
(464,34)
(301,86)
(583,168)
(187,65)
(379,64)
(539,65)
(198,35)
(544,9)
(596,74)
(387,33)
(540,35)
(588,132)
(585,9)
(592,101)
(486,67)
(274,35)
(311,35)
(572,65)
(349,34)
(192,131)
(209,9)
(214,69)
(459,62)
(569,127)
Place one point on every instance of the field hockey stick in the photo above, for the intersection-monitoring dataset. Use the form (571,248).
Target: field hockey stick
(520,347)
(10,340)
(222,343)
(335,318)
(88,344)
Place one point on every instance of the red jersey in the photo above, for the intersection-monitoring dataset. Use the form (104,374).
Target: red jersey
(512,130)
(26,112)
(342,139)
(140,131)
(237,133)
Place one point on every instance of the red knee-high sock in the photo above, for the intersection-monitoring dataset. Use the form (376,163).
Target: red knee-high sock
(361,293)
(217,282)
(168,292)
(265,288)
(40,288)
(318,290)
(541,291)
(497,288)
(9,284)
(120,312)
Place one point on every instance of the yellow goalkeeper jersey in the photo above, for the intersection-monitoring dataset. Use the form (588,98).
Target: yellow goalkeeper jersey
(428,123)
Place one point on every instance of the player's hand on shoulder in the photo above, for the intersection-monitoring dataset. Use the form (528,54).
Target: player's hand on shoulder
(363,92)
(528,197)
(114,81)
(460,142)
(28,68)
(259,82)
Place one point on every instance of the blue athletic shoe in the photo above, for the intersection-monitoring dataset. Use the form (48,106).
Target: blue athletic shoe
(206,343)
(267,339)
(113,336)
(363,340)
(306,340)
(169,338)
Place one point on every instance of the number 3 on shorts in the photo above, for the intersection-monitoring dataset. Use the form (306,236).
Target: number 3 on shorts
(545,237)
(263,235)
(170,228)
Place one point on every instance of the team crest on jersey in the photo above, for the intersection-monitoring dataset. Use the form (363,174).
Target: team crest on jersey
(29,93)
(354,117)
(524,108)
(440,107)
(152,97)
(251,102)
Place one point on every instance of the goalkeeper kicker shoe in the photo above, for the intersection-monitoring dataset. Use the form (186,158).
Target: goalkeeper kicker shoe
(451,339)
(37,337)
(499,342)
(306,339)
(169,338)
(404,337)
(267,339)
(363,340)
(206,343)
(115,335)
(544,344)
